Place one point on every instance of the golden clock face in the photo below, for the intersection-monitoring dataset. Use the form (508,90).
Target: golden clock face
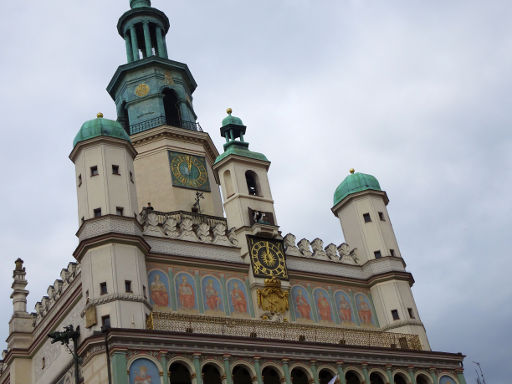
(267,257)
(189,171)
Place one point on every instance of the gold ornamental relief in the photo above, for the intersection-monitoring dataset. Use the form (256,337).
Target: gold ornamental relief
(142,90)
(168,79)
(273,298)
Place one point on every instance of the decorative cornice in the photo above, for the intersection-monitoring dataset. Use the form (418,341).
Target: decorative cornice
(116,297)
(111,237)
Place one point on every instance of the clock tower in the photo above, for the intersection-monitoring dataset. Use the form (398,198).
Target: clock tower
(153,97)
(249,208)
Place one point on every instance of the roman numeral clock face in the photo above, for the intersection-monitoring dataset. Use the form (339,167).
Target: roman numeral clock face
(189,171)
(267,257)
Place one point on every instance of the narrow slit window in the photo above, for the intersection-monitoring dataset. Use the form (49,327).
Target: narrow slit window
(115,170)
(103,288)
(381,216)
(411,313)
(119,211)
(394,313)
(128,286)
(377,254)
(105,322)
(131,176)
(367,218)
(392,252)
(94,171)
(79,180)
(97,212)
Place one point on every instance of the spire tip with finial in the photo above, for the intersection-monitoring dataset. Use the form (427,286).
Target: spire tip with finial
(352,170)
(229,111)
(99,115)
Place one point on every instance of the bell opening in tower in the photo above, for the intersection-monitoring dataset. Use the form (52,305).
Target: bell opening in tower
(172,114)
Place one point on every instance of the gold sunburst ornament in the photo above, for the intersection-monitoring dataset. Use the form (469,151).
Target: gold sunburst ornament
(142,90)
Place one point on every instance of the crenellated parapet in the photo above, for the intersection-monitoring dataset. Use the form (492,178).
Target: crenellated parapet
(188,226)
(55,291)
(315,250)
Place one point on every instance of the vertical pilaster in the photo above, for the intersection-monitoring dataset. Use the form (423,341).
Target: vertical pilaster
(334,306)
(314,371)
(135,46)
(460,376)
(224,295)
(199,290)
(390,376)
(163,361)
(433,375)
(257,368)
(172,289)
(197,367)
(411,375)
(313,303)
(128,43)
(249,297)
(119,367)
(365,374)
(341,374)
(147,39)
(227,369)
(286,369)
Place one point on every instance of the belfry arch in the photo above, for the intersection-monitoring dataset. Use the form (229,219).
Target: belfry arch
(171,108)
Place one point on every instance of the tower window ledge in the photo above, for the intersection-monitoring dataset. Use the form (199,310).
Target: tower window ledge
(251,197)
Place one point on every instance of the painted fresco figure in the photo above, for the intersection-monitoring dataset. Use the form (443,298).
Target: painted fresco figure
(324,309)
(186,294)
(142,376)
(212,296)
(364,311)
(344,309)
(238,299)
(159,293)
(302,305)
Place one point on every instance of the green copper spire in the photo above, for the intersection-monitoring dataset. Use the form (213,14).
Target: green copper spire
(232,129)
(140,3)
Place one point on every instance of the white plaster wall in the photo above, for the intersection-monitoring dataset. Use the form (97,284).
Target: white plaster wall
(106,190)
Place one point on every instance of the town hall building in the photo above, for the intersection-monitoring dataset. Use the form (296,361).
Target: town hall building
(182,273)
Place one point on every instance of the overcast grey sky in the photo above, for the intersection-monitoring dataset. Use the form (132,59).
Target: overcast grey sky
(417,93)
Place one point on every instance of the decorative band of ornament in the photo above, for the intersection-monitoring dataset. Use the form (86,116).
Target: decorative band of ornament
(161,120)
(118,296)
(211,325)
(197,218)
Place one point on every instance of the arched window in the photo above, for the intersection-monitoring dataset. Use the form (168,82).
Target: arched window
(241,375)
(179,374)
(351,377)
(376,378)
(211,374)
(399,379)
(299,376)
(228,183)
(253,186)
(422,379)
(325,376)
(172,114)
(270,376)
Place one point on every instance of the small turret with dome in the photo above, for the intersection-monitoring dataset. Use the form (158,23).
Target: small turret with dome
(355,182)
(100,127)
(243,176)
(232,129)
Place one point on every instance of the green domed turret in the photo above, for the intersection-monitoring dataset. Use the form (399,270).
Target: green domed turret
(355,182)
(100,127)
(233,128)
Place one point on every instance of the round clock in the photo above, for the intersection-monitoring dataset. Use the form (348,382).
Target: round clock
(189,171)
(267,258)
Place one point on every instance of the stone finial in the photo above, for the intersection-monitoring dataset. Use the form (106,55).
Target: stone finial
(289,245)
(305,247)
(19,293)
(318,248)
(140,3)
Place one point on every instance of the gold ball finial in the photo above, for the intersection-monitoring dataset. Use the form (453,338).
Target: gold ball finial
(99,115)
(352,170)
(229,111)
